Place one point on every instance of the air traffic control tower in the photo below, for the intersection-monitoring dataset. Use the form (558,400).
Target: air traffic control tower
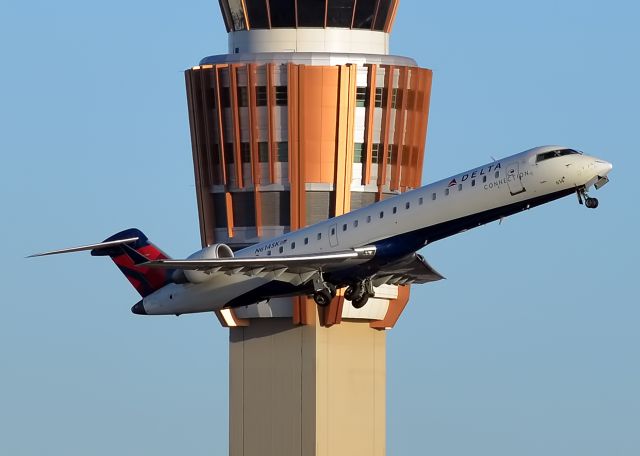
(306,117)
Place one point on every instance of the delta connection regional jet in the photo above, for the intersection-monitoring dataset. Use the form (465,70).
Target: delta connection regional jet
(360,250)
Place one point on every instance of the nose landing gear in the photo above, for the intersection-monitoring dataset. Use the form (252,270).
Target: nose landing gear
(591,203)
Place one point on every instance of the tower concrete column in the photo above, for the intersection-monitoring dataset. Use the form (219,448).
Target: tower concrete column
(307,389)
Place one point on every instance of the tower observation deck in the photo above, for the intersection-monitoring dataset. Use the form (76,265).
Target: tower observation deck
(306,117)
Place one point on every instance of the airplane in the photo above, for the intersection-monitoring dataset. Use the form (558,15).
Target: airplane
(359,250)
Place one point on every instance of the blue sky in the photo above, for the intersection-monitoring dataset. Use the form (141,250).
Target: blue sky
(530,347)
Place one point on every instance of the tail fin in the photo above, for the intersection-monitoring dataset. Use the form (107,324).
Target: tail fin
(129,257)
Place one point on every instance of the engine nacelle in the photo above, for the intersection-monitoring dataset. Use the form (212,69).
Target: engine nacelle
(211,252)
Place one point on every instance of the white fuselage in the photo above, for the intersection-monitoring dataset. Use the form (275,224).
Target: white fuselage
(506,183)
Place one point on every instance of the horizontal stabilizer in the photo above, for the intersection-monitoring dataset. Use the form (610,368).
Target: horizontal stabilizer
(130,250)
(98,246)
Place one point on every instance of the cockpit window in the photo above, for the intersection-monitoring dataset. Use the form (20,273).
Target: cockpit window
(555,153)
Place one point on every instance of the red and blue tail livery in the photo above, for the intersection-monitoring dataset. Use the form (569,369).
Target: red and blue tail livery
(130,256)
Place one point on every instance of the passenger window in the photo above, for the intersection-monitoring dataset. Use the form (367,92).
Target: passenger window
(355,224)
(293,245)
(395,209)
(407,205)
(420,200)
(268,252)
(497,174)
(381,214)
(433,196)
(446,191)
(344,227)
(484,178)
(473,182)
(306,241)
(368,219)
(459,187)
(319,236)
(333,231)
(281,249)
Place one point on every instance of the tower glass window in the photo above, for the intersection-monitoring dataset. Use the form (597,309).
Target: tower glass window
(263,152)
(257,13)
(228,153)
(224,97)
(237,14)
(365,9)
(381,14)
(359,153)
(281,95)
(361,96)
(396,98)
(339,13)
(392,153)
(261,96)
(375,153)
(311,13)
(245,152)
(282,151)
(243,97)
(380,97)
(282,13)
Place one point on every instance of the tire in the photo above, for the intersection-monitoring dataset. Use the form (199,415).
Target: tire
(322,298)
(353,293)
(360,302)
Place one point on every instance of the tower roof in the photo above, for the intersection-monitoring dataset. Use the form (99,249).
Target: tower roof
(375,15)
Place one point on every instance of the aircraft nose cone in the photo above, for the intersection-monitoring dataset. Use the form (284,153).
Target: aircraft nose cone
(603,167)
(138,309)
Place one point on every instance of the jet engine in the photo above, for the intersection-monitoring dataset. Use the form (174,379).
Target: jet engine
(211,252)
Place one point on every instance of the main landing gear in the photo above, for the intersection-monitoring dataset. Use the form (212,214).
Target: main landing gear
(323,292)
(591,203)
(359,293)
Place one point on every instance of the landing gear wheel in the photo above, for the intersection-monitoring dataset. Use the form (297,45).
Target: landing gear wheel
(353,292)
(360,302)
(591,203)
(322,297)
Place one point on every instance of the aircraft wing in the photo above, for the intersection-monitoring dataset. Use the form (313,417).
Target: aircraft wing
(411,269)
(296,264)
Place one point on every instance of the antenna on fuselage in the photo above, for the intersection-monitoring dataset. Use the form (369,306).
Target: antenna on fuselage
(492,158)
